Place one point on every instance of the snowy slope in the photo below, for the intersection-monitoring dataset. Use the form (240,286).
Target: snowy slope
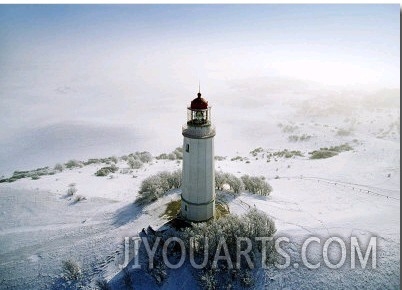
(356,193)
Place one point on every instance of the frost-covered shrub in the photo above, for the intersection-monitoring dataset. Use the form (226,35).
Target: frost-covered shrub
(322,154)
(256,185)
(144,156)
(178,152)
(172,156)
(58,167)
(220,158)
(71,270)
(134,163)
(286,153)
(340,148)
(256,151)
(151,189)
(330,152)
(71,190)
(114,159)
(175,179)
(235,184)
(34,174)
(72,164)
(104,171)
(219,180)
(162,156)
(237,158)
(157,185)
(253,184)
(251,225)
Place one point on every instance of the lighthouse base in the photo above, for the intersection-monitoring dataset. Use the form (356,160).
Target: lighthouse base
(197,212)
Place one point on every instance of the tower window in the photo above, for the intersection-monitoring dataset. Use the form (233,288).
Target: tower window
(185,207)
(187,147)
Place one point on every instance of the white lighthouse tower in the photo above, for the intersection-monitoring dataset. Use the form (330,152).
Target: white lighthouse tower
(198,188)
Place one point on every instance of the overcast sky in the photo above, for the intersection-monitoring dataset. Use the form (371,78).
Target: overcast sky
(115,63)
(330,43)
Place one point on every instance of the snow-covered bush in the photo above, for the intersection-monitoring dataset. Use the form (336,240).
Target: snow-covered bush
(330,152)
(220,158)
(251,225)
(104,171)
(134,163)
(114,159)
(71,190)
(235,184)
(162,156)
(73,163)
(144,156)
(340,148)
(253,184)
(157,185)
(71,270)
(326,152)
(322,154)
(237,158)
(176,154)
(285,153)
(172,156)
(256,185)
(58,167)
(256,151)
(219,180)
(175,179)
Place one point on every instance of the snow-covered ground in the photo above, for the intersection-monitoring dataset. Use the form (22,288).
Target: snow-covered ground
(356,193)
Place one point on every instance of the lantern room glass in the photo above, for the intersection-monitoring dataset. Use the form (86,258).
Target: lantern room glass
(199,117)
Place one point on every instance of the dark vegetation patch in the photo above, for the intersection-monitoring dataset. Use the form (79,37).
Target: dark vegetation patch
(332,151)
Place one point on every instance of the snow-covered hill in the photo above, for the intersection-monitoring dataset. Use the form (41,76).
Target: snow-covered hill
(356,193)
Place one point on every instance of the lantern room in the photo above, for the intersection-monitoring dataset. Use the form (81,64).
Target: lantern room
(199,113)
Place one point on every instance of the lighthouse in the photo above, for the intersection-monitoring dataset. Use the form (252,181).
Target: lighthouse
(198,187)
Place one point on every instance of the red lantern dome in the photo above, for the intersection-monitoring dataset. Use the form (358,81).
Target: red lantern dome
(199,103)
